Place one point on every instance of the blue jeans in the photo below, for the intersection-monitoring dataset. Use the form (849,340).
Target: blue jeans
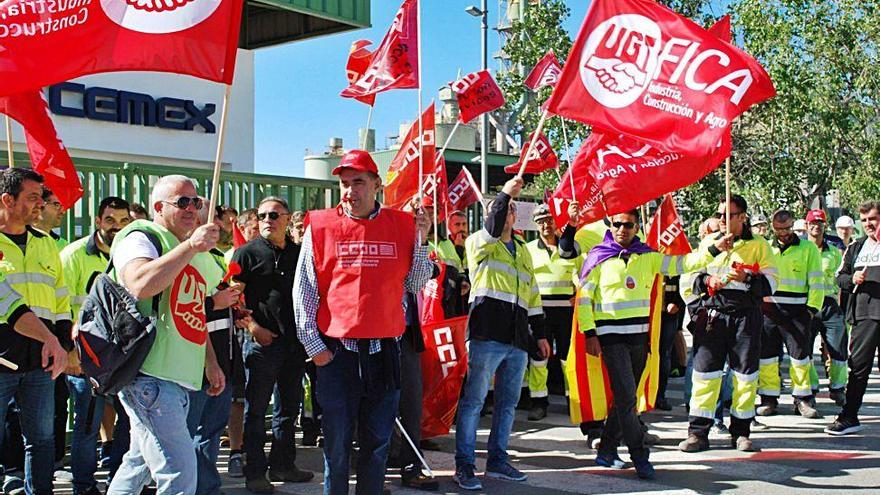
(342,394)
(83,462)
(34,392)
(206,420)
(487,358)
(160,444)
(726,387)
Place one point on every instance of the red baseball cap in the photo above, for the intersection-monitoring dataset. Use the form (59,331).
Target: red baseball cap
(816,216)
(357,160)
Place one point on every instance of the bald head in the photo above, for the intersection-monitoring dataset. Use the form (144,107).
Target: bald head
(166,208)
(167,187)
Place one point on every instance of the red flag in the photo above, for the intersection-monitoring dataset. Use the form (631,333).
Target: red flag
(462,192)
(541,158)
(48,155)
(394,65)
(358,61)
(545,73)
(637,68)
(44,43)
(402,181)
(444,364)
(665,232)
(477,94)
(238,239)
(588,195)
(435,182)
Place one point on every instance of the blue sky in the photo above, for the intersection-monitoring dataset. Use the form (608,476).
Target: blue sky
(298,106)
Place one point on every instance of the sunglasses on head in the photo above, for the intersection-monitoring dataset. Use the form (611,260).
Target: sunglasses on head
(626,225)
(272,215)
(183,202)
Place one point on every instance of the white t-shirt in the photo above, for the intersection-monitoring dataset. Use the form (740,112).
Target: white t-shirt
(135,246)
(869,254)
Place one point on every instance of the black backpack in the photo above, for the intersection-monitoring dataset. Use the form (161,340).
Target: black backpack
(114,338)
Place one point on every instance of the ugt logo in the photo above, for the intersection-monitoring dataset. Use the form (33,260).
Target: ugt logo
(159,16)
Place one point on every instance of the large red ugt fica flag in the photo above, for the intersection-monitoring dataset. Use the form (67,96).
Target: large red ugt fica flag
(638,68)
(43,42)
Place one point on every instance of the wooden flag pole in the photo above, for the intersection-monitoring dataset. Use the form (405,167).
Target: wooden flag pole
(535,136)
(568,157)
(436,186)
(10,157)
(215,183)
(727,192)
(367,130)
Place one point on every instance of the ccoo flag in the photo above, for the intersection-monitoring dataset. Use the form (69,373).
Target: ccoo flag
(637,68)
(541,158)
(48,155)
(477,93)
(358,62)
(665,232)
(44,43)
(402,180)
(545,73)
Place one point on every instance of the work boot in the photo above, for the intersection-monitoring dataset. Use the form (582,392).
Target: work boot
(743,444)
(838,396)
(259,485)
(412,476)
(644,469)
(694,443)
(803,408)
(538,411)
(292,474)
(768,407)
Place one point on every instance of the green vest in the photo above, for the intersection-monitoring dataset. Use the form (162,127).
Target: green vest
(801,280)
(80,268)
(553,274)
(178,353)
(445,251)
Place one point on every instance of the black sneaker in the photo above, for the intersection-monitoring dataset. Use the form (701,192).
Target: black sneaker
(844,426)
(537,412)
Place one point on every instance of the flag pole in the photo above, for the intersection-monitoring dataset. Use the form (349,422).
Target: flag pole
(10,157)
(215,183)
(568,157)
(421,129)
(367,130)
(449,137)
(436,186)
(535,135)
(727,192)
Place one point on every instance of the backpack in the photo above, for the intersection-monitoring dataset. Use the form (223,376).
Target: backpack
(114,338)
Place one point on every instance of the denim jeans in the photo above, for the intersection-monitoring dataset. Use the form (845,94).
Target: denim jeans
(121,438)
(342,394)
(264,367)
(160,443)
(488,359)
(206,421)
(83,461)
(34,392)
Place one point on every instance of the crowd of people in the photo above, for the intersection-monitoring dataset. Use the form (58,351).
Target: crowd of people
(320,319)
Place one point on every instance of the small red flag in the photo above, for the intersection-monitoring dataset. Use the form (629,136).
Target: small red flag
(462,192)
(586,192)
(394,65)
(545,73)
(48,155)
(402,181)
(477,94)
(238,239)
(44,43)
(665,232)
(436,183)
(444,364)
(358,62)
(541,158)
(637,68)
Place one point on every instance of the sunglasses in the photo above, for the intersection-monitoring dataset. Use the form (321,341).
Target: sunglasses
(183,202)
(272,215)
(720,214)
(626,225)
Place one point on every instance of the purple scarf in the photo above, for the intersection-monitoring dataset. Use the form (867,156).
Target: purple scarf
(609,248)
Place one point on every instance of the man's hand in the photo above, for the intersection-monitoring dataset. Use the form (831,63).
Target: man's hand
(74,367)
(715,284)
(725,243)
(574,211)
(215,377)
(544,349)
(323,358)
(52,351)
(513,187)
(423,224)
(204,238)
(737,275)
(672,308)
(465,287)
(225,298)
(859,276)
(263,336)
(593,346)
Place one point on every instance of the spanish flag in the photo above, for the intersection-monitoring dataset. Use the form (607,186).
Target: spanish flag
(590,390)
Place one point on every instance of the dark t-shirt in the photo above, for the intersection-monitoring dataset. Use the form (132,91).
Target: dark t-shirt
(267,272)
(19,240)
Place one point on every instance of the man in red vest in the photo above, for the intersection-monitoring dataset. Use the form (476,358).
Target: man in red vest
(355,262)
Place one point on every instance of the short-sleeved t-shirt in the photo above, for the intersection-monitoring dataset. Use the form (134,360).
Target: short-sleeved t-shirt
(135,246)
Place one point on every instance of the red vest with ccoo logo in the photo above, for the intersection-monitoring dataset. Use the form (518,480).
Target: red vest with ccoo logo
(361,265)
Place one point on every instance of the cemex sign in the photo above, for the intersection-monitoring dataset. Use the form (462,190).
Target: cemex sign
(111,105)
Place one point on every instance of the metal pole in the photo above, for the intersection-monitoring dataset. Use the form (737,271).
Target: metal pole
(10,156)
(484,121)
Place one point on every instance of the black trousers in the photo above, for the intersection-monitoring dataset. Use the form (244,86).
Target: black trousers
(625,356)
(669,327)
(410,406)
(864,345)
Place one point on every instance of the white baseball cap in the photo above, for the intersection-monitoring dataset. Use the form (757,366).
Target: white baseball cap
(800,224)
(845,222)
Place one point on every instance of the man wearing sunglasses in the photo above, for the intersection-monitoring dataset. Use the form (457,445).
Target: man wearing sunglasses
(355,263)
(726,324)
(613,310)
(273,356)
(788,315)
(167,257)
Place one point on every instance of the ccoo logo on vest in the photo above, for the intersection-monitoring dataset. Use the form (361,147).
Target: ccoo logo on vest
(367,254)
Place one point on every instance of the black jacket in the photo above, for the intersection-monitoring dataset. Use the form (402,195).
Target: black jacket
(868,293)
